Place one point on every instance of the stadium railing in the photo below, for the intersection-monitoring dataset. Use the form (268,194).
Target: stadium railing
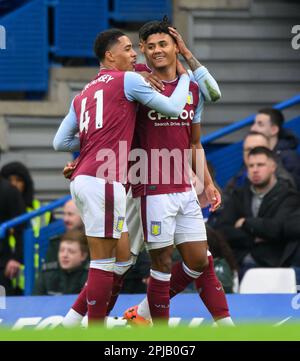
(226,161)
(29,241)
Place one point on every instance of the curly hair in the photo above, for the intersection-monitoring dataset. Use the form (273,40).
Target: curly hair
(155,27)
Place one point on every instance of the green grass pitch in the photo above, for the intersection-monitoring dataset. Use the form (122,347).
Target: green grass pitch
(244,332)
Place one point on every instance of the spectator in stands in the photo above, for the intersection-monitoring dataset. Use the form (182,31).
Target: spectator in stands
(11,205)
(270,121)
(71,216)
(252,140)
(19,176)
(253,218)
(72,221)
(69,273)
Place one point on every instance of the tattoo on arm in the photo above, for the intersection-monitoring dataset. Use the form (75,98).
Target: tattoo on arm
(193,63)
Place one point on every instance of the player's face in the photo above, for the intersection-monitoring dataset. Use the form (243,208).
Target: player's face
(251,142)
(262,124)
(260,170)
(123,54)
(160,51)
(70,255)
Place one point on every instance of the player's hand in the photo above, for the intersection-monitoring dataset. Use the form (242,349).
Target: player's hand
(184,51)
(180,68)
(153,80)
(202,198)
(213,196)
(12,268)
(69,169)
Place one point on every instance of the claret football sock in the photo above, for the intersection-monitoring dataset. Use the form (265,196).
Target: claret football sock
(181,277)
(80,305)
(211,292)
(158,294)
(120,271)
(99,289)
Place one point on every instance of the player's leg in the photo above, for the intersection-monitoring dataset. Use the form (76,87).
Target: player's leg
(193,264)
(95,197)
(209,288)
(121,268)
(123,263)
(190,224)
(212,294)
(78,310)
(158,218)
(129,246)
(158,291)
(102,262)
(190,240)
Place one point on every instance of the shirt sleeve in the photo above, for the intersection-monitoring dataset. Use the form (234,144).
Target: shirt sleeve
(137,89)
(65,139)
(208,86)
(199,110)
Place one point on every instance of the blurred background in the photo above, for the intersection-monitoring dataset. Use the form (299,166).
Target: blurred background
(246,45)
(48,58)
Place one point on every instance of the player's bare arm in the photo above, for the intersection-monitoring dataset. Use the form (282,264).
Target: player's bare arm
(184,51)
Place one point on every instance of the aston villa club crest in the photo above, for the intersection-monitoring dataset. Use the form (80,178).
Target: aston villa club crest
(155,228)
(190,98)
(119,224)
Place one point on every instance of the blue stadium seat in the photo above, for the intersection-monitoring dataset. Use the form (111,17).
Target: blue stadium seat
(226,161)
(140,11)
(7,6)
(76,24)
(24,62)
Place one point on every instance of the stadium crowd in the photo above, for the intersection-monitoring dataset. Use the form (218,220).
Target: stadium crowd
(256,226)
